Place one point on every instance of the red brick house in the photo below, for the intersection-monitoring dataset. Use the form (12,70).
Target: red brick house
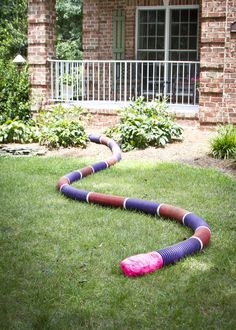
(184,50)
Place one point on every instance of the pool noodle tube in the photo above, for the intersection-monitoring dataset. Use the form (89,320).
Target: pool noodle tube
(146,262)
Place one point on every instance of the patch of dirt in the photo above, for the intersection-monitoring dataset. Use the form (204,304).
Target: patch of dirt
(194,150)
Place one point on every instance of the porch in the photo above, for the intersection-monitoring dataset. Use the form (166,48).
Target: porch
(157,37)
(114,83)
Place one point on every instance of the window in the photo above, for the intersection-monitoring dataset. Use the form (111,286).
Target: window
(167,34)
(151,35)
(183,35)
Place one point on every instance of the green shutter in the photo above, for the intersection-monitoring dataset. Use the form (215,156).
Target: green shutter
(118,35)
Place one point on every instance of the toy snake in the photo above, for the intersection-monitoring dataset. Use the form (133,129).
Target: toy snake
(146,262)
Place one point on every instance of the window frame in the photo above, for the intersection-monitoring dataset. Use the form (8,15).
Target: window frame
(167,26)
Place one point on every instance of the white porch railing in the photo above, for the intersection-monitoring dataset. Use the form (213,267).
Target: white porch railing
(121,81)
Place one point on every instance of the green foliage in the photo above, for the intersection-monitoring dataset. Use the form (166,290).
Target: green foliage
(61,127)
(13,28)
(18,131)
(14,85)
(53,128)
(69,29)
(14,92)
(224,144)
(68,49)
(145,124)
(69,79)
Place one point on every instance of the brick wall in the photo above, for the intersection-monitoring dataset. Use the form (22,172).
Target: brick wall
(217,50)
(97,25)
(101,118)
(229,86)
(218,63)
(41,46)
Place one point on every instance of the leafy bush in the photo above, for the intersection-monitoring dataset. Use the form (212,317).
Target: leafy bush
(61,127)
(53,128)
(224,144)
(14,93)
(145,124)
(68,49)
(18,131)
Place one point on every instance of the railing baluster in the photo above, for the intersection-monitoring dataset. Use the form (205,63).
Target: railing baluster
(171,83)
(52,82)
(120,79)
(82,80)
(67,81)
(72,78)
(195,83)
(115,81)
(93,79)
(125,83)
(77,81)
(57,81)
(142,79)
(104,83)
(165,78)
(177,84)
(183,79)
(88,81)
(62,76)
(98,79)
(147,80)
(130,81)
(136,79)
(189,82)
(109,80)
(153,81)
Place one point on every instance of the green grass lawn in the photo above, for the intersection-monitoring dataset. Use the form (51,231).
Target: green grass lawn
(60,258)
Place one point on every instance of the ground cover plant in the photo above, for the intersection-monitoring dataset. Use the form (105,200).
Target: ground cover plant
(144,124)
(54,128)
(60,258)
(17,131)
(61,127)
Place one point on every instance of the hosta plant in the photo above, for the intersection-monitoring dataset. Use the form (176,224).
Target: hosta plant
(18,132)
(61,127)
(145,124)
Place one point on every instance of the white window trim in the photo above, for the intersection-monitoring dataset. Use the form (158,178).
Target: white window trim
(167,24)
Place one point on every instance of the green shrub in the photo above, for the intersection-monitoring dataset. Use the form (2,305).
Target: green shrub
(18,131)
(14,93)
(145,124)
(61,127)
(224,144)
(53,128)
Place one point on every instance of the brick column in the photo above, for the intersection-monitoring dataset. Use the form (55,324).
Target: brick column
(91,29)
(41,46)
(229,87)
(217,79)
